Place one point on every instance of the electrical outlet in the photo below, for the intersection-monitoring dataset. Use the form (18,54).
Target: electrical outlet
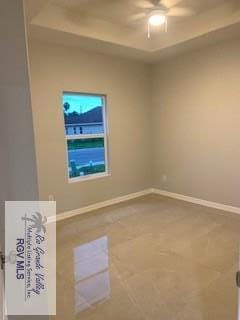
(164,178)
(50,197)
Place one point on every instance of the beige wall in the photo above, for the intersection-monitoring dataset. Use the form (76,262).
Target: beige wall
(18,173)
(57,68)
(196,114)
(178,118)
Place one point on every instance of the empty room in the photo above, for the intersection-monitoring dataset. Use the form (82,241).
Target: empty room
(120,178)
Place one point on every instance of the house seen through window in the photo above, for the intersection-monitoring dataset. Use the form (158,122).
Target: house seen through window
(86,136)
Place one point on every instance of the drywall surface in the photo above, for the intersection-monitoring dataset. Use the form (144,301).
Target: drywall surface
(18,171)
(55,69)
(196,116)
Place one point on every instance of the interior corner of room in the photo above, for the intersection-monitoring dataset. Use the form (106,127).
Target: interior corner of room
(173,124)
(172,117)
(102,107)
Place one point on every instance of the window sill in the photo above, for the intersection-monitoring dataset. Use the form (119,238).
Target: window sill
(90,177)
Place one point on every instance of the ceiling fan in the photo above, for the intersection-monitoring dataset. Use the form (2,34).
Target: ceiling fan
(157,11)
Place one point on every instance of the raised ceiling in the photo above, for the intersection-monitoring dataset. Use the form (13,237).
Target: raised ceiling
(120,12)
(107,25)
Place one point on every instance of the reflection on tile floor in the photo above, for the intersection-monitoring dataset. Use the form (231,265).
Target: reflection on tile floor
(149,258)
(91,273)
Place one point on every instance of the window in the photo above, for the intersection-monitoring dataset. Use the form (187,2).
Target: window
(86,135)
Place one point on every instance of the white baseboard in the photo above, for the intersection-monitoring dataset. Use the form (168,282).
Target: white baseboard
(99,205)
(205,203)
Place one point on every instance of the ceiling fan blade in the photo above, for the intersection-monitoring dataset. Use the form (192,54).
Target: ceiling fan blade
(144,4)
(136,17)
(180,12)
(170,3)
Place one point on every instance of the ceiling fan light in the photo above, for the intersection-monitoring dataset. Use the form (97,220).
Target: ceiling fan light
(157,19)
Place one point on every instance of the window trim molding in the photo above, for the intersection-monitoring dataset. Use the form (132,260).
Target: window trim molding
(84,136)
(89,177)
(104,135)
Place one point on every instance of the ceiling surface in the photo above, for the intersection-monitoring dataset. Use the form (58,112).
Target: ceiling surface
(120,11)
(111,26)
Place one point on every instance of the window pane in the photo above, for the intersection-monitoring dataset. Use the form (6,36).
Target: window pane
(83,114)
(86,157)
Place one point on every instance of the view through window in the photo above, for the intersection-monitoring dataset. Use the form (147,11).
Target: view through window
(85,130)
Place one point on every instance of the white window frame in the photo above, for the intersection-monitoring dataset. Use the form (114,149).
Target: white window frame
(103,135)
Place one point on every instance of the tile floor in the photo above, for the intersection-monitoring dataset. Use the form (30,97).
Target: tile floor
(151,258)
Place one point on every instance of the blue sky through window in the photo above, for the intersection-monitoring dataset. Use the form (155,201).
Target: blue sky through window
(82,103)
